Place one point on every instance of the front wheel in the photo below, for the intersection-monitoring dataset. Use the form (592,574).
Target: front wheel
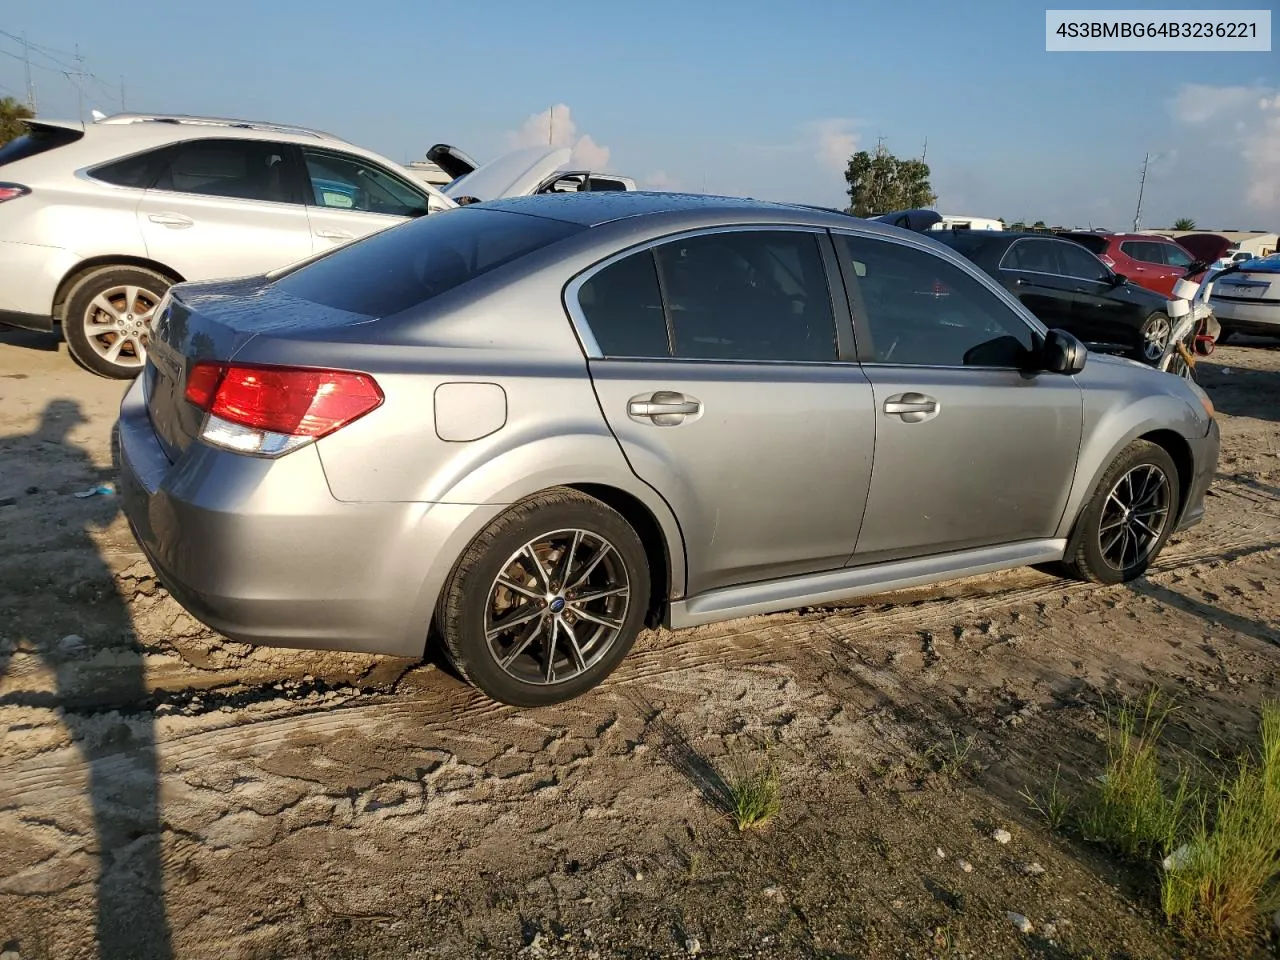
(108,319)
(1129,519)
(547,600)
(1153,338)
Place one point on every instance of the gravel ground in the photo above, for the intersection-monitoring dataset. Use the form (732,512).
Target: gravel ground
(166,792)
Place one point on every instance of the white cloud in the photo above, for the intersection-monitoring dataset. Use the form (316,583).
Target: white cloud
(1243,119)
(661,181)
(835,141)
(555,127)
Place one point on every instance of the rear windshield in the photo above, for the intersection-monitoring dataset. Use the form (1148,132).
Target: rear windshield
(407,265)
(38,140)
(1095,243)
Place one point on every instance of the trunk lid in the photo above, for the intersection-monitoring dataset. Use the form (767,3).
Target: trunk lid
(214,321)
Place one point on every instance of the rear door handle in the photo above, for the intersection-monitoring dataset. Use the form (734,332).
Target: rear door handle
(335,235)
(912,407)
(665,408)
(175,220)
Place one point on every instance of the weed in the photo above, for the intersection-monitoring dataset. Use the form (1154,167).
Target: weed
(1229,871)
(754,791)
(1053,807)
(952,757)
(1129,809)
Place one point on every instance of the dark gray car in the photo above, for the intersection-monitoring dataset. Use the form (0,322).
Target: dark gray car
(537,425)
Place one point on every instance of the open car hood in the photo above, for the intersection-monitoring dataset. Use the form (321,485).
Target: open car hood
(514,174)
(1205,247)
(920,219)
(451,160)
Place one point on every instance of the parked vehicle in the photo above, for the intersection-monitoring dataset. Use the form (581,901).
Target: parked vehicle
(1066,286)
(530,171)
(98,219)
(552,421)
(1153,262)
(1212,249)
(1247,299)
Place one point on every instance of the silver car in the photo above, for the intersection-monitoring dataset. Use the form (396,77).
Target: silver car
(535,426)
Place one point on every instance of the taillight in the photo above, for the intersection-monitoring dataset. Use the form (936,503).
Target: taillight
(268,410)
(11,191)
(1107,260)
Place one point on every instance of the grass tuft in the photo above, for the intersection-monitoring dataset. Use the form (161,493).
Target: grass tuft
(754,791)
(1228,873)
(1128,808)
(1052,807)
(952,757)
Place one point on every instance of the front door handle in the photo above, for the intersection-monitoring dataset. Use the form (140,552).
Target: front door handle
(912,407)
(175,220)
(335,235)
(665,408)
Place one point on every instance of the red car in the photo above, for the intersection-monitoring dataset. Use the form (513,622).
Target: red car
(1156,263)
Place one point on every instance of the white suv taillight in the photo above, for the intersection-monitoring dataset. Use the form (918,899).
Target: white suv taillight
(269,410)
(11,191)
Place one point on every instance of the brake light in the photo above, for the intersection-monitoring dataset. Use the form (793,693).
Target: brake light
(1107,260)
(11,191)
(270,410)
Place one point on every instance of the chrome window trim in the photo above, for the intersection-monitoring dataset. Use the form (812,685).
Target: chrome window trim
(591,346)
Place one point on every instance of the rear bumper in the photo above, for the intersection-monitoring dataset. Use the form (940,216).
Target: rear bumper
(1204,466)
(1262,316)
(261,552)
(29,279)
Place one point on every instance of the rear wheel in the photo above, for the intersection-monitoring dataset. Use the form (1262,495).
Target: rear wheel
(108,318)
(1153,338)
(546,601)
(1129,519)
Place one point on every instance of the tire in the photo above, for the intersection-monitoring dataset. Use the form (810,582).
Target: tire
(1225,334)
(1091,551)
(108,306)
(473,601)
(1149,342)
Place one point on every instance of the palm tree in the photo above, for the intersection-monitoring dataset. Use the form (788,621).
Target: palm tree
(12,114)
(1184,223)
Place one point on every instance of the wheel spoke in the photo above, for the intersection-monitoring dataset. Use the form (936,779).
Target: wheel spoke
(112,353)
(544,578)
(518,588)
(578,659)
(604,551)
(550,646)
(523,644)
(595,618)
(1107,548)
(562,578)
(107,307)
(600,595)
(130,298)
(514,619)
(1118,502)
(1110,526)
(1151,533)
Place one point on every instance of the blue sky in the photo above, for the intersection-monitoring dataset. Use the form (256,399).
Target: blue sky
(755,98)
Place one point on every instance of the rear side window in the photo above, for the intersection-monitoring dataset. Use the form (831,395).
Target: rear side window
(1079,263)
(235,169)
(1036,256)
(409,264)
(135,171)
(623,307)
(1142,251)
(37,140)
(748,295)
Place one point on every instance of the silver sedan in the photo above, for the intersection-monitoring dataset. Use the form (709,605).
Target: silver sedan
(533,427)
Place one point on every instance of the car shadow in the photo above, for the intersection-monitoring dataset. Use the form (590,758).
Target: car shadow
(31,339)
(1262,630)
(100,697)
(1242,391)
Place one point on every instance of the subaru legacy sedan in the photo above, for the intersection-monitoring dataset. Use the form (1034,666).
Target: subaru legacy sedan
(535,426)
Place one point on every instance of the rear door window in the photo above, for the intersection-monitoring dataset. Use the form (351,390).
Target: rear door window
(1034,256)
(234,169)
(1079,263)
(409,264)
(622,305)
(1143,251)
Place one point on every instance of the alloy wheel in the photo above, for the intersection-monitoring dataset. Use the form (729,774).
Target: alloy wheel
(1155,337)
(557,606)
(117,323)
(1134,516)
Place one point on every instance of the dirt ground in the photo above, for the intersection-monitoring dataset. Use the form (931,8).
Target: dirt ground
(165,792)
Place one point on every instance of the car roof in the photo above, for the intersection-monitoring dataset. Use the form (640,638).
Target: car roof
(595,209)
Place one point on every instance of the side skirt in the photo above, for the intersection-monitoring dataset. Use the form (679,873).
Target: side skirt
(771,596)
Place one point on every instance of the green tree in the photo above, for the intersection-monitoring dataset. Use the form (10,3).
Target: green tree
(879,182)
(1184,223)
(12,114)
(1040,226)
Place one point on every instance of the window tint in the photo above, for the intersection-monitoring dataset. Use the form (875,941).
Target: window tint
(1037,256)
(1080,263)
(349,183)
(237,169)
(399,268)
(135,171)
(39,139)
(748,295)
(1143,251)
(921,309)
(623,307)
(1175,256)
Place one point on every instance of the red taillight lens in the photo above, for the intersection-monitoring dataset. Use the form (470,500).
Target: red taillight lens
(294,401)
(10,191)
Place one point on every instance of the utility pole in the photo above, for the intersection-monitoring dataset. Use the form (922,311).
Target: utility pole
(925,152)
(31,87)
(551,126)
(123,108)
(79,86)
(1137,216)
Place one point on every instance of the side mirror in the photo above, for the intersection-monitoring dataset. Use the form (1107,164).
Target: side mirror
(1063,353)
(1119,279)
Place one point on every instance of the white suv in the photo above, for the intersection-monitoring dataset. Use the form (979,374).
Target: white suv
(98,220)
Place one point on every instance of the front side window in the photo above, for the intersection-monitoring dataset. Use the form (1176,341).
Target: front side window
(1036,256)
(920,309)
(1079,263)
(234,169)
(747,295)
(350,183)
(1143,251)
(1175,256)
